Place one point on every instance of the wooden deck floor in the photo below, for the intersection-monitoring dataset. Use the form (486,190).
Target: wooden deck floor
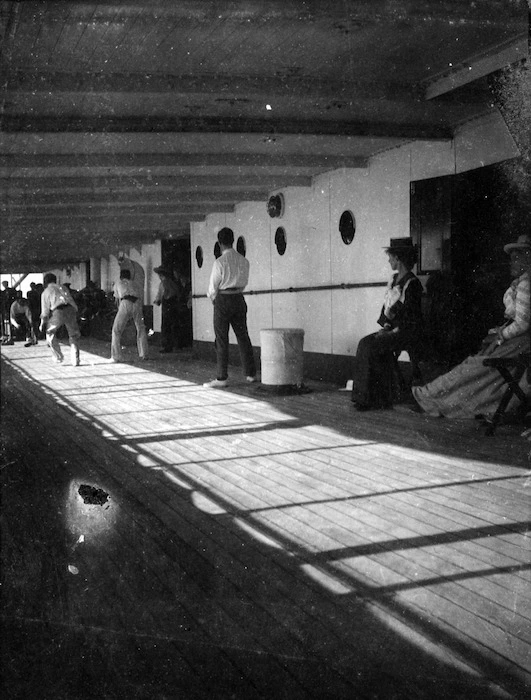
(246,545)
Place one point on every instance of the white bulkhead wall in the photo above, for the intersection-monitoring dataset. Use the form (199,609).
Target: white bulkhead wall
(334,320)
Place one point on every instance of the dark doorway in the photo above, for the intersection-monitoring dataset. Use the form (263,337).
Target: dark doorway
(460,225)
(176,256)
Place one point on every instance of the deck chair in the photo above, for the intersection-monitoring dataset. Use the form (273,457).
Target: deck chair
(512,370)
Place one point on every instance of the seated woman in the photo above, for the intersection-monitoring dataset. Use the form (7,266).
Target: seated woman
(401,321)
(471,389)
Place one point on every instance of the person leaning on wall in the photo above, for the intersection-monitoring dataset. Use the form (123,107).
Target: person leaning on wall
(401,327)
(185,309)
(168,298)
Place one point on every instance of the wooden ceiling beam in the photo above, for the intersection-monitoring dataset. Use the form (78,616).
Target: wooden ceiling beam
(27,200)
(195,183)
(476,67)
(66,123)
(90,212)
(31,252)
(86,226)
(158,160)
(217,87)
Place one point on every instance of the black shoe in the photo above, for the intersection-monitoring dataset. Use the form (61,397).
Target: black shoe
(164,351)
(361,406)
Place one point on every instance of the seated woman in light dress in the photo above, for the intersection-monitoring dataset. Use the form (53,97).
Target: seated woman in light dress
(471,389)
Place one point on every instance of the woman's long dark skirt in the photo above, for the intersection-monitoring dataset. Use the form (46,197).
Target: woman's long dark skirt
(373,383)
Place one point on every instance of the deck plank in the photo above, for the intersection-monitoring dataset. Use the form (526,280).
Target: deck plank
(273,539)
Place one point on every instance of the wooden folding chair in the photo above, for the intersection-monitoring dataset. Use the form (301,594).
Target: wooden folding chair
(512,370)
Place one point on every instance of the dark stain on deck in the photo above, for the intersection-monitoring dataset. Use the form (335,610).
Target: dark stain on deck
(93,495)
(331,556)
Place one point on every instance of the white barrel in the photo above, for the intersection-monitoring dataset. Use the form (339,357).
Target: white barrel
(281,353)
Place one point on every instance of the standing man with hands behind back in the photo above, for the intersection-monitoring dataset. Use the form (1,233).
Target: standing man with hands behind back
(228,279)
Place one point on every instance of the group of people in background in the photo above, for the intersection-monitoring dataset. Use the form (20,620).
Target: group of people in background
(174,296)
(466,391)
(51,309)
(20,316)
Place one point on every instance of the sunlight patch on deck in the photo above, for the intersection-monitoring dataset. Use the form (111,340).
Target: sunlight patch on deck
(206,504)
(260,536)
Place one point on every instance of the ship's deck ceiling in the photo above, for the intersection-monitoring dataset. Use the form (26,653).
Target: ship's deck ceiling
(122,122)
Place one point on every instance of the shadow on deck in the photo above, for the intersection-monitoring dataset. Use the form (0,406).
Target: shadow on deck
(247,545)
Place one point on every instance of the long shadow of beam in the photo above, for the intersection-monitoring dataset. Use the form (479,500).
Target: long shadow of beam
(463,576)
(205,523)
(369,494)
(288,424)
(467,534)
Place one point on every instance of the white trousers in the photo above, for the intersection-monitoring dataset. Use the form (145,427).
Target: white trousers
(128,310)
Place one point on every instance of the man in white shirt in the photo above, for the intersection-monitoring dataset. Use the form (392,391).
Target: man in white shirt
(59,309)
(130,306)
(229,277)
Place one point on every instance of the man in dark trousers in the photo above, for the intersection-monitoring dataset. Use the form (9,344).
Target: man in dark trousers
(34,301)
(168,298)
(59,309)
(228,279)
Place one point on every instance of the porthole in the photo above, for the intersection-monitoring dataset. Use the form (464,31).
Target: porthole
(275,205)
(240,246)
(199,256)
(217,251)
(347,227)
(280,240)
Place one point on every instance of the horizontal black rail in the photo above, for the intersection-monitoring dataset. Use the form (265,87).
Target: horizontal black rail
(316,288)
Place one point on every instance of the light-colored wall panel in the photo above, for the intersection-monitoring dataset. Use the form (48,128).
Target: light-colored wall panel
(203,320)
(250,221)
(259,315)
(483,142)
(355,312)
(430,159)
(305,221)
(311,311)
